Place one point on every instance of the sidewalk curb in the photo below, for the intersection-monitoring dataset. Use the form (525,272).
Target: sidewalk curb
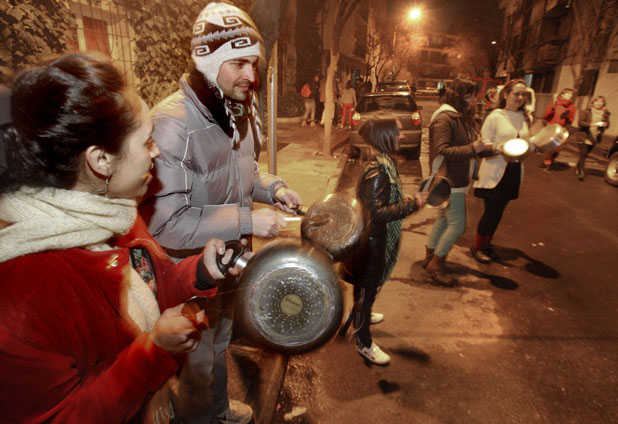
(291,120)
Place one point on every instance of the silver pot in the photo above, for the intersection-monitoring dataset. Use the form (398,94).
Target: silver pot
(289,297)
(550,137)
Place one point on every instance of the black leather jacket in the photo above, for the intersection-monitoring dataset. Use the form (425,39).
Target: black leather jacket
(365,267)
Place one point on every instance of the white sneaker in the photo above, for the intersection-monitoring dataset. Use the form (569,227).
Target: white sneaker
(376,318)
(237,413)
(374,354)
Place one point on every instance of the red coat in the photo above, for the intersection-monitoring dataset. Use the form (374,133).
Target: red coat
(66,353)
(560,112)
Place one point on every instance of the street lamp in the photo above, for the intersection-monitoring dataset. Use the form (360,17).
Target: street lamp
(415,14)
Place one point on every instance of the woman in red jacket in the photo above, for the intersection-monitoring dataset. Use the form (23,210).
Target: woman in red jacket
(91,320)
(562,111)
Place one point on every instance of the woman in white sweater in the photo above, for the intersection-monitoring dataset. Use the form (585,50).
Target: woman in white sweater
(499,180)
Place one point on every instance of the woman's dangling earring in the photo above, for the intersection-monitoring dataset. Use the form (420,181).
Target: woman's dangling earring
(103,192)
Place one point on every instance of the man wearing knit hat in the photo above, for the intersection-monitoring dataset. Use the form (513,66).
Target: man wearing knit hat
(208,133)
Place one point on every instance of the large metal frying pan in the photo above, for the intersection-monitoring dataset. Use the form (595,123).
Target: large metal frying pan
(335,223)
(289,296)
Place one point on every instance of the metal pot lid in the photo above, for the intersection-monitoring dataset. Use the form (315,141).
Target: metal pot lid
(336,223)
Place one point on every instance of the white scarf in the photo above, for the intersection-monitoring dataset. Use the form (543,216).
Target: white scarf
(53,219)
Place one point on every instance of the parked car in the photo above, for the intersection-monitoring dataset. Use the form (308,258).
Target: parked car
(394,86)
(611,170)
(385,105)
(428,91)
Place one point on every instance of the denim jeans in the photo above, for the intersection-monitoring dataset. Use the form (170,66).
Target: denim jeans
(309,109)
(451,223)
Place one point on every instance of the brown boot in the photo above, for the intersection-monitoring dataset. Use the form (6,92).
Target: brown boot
(437,272)
(428,256)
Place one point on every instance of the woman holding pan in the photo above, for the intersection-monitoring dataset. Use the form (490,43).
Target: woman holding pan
(452,133)
(92,322)
(499,180)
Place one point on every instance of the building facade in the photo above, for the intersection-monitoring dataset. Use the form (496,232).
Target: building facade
(556,44)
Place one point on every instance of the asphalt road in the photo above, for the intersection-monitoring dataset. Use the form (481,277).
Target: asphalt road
(530,339)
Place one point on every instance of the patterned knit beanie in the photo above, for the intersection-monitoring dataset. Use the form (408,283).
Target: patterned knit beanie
(223,32)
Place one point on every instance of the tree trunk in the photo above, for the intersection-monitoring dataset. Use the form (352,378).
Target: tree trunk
(329,106)
(344,10)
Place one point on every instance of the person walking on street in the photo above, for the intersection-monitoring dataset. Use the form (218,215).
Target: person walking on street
(593,121)
(499,180)
(380,192)
(207,180)
(452,135)
(348,102)
(308,93)
(561,111)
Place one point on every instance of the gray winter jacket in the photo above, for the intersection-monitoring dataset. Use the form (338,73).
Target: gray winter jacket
(204,187)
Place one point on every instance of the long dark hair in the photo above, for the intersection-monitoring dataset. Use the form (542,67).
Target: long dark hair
(381,134)
(507,89)
(59,109)
(455,97)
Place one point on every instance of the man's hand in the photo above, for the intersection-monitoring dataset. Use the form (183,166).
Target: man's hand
(266,222)
(287,199)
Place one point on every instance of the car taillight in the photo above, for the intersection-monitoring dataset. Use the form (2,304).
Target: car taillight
(416,119)
(356,118)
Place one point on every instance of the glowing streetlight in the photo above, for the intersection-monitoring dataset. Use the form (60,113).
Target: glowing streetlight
(415,14)
(493,42)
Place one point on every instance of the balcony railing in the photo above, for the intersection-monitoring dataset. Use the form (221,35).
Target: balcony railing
(549,53)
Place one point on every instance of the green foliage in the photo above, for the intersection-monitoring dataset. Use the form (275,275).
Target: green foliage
(163,31)
(290,105)
(162,43)
(31,30)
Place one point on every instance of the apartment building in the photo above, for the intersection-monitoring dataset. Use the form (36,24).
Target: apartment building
(554,44)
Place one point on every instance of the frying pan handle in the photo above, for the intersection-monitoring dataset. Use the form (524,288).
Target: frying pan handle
(192,307)
(475,169)
(238,250)
(300,209)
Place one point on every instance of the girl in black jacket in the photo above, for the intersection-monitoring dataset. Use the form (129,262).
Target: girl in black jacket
(593,121)
(379,190)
